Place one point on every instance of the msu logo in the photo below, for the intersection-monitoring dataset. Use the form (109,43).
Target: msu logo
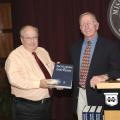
(111,99)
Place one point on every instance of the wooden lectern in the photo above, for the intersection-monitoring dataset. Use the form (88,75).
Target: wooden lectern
(111,114)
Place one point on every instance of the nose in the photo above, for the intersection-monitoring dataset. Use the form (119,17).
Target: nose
(32,39)
(86,26)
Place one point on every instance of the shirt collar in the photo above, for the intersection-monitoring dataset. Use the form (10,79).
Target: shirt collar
(94,40)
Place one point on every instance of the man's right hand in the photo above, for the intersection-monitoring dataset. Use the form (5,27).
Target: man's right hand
(48,83)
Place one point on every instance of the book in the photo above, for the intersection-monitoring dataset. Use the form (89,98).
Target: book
(92,113)
(64,74)
(99,113)
(85,113)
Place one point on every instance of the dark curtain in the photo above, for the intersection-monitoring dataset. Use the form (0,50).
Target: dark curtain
(57,21)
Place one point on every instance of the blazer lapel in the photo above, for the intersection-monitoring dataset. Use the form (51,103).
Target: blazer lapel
(94,59)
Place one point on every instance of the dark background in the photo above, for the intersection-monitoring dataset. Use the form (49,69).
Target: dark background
(57,21)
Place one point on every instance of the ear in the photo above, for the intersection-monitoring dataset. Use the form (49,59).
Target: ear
(97,25)
(80,28)
(21,40)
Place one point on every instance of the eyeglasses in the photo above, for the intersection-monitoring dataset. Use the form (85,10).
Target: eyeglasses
(30,38)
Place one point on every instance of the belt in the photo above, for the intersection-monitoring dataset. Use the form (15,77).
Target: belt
(31,101)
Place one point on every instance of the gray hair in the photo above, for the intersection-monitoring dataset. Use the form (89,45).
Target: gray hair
(88,13)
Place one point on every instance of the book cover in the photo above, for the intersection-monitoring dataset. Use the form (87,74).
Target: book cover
(64,74)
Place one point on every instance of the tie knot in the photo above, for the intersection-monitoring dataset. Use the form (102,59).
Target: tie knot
(34,53)
(89,42)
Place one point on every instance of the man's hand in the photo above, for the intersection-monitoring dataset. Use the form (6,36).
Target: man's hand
(97,79)
(48,83)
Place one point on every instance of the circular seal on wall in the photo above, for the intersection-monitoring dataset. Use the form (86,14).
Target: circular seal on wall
(114,17)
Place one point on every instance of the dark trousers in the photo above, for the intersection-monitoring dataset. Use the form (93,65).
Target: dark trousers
(23,109)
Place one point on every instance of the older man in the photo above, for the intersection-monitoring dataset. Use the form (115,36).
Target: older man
(29,68)
(95,60)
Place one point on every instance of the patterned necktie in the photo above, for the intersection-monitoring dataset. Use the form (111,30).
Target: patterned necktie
(43,68)
(85,65)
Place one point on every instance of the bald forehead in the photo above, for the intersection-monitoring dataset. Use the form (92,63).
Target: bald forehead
(28,29)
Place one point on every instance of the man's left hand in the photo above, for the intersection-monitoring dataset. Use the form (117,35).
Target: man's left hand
(97,79)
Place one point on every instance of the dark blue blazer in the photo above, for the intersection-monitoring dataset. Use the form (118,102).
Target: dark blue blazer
(105,60)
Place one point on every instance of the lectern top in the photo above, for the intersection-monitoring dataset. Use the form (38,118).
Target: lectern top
(112,84)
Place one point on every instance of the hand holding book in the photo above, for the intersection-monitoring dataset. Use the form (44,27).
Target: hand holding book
(53,82)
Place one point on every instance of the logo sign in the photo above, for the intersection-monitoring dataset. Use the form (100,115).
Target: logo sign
(114,17)
(111,99)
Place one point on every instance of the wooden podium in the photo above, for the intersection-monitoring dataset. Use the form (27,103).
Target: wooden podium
(111,114)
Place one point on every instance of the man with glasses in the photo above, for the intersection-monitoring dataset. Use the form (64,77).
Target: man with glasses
(29,69)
